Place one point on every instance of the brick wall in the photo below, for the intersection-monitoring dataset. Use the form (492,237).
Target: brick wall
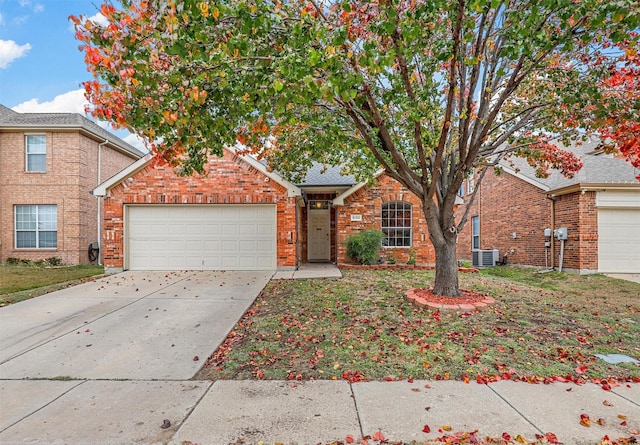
(230,180)
(577,212)
(508,205)
(368,202)
(71,175)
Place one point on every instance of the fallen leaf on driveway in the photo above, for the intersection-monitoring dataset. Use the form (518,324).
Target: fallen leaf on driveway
(426,429)
(584,420)
(196,358)
(607,403)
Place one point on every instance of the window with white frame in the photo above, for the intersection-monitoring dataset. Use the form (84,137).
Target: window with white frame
(471,181)
(396,224)
(475,232)
(36,226)
(36,152)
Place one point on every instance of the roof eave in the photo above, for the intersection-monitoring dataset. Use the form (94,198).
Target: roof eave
(292,189)
(525,178)
(594,187)
(129,171)
(48,127)
(339,200)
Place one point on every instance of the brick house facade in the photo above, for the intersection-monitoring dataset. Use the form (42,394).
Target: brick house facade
(230,181)
(367,204)
(599,207)
(49,163)
(312,219)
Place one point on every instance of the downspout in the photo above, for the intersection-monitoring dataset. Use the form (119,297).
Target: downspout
(100,198)
(297,234)
(553,238)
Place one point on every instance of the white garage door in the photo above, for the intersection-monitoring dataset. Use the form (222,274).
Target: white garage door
(619,240)
(201,237)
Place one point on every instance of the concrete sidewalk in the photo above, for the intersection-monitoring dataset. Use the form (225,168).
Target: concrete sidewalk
(110,362)
(208,413)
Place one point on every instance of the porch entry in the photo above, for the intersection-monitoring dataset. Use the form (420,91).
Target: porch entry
(319,231)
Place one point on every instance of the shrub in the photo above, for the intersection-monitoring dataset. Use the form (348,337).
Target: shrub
(54,261)
(13,261)
(364,246)
(412,257)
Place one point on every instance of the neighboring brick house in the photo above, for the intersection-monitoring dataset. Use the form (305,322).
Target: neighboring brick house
(49,164)
(599,207)
(242,216)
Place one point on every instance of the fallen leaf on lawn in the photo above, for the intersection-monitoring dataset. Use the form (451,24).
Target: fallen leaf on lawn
(426,429)
(607,403)
(581,369)
(584,420)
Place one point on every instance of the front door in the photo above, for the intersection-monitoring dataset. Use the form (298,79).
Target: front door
(319,234)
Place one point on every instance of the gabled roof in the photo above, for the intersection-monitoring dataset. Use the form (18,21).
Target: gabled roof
(599,170)
(12,120)
(141,163)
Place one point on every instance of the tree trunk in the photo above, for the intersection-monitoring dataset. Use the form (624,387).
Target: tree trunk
(446,281)
(443,236)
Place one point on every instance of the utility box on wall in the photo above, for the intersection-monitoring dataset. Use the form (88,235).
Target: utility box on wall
(560,233)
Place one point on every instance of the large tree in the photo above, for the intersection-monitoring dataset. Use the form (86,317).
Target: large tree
(428,90)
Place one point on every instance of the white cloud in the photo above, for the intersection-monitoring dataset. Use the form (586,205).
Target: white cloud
(136,141)
(34,6)
(10,51)
(70,102)
(75,102)
(99,19)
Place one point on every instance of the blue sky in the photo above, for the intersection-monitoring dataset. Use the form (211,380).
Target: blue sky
(41,68)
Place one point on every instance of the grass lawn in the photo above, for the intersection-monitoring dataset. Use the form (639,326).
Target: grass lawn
(21,282)
(542,327)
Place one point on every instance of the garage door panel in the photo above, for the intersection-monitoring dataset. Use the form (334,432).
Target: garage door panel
(201,237)
(619,240)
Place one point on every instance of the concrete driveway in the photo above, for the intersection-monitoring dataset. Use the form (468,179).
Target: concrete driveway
(134,326)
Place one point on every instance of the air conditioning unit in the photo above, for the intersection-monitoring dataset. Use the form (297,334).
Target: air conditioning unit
(485,258)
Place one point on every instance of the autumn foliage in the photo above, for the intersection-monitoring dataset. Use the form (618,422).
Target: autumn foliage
(426,90)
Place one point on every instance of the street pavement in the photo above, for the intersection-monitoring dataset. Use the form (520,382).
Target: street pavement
(111,362)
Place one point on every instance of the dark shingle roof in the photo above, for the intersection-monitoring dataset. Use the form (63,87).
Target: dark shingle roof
(12,119)
(597,169)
